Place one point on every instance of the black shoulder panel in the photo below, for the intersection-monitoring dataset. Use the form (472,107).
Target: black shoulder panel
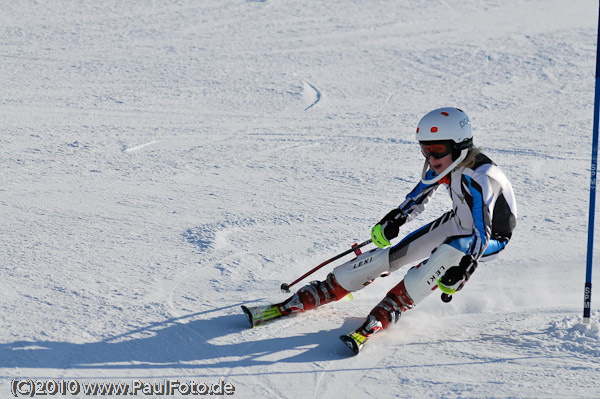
(482,159)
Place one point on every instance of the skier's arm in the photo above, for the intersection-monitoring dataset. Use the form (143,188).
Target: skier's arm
(416,201)
(388,228)
(478,193)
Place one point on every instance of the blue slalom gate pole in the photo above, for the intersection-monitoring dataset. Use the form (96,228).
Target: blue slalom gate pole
(587,296)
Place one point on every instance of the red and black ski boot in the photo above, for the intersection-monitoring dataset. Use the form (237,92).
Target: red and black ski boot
(388,310)
(311,296)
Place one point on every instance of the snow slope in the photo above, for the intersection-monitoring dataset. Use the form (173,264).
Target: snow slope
(164,163)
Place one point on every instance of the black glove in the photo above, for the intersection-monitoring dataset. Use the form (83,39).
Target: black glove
(388,228)
(456,277)
(391,223)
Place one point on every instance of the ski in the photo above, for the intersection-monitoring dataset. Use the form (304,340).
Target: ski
(258,315)
(354,340)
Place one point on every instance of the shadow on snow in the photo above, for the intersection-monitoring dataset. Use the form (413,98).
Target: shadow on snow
(183,342)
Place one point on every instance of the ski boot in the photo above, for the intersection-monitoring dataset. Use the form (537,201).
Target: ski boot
(388,310)
(311,296)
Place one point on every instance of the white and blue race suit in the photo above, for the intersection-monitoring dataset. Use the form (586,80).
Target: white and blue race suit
(481,221)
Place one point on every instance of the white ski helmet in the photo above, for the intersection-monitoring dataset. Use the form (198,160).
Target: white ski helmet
(443,125)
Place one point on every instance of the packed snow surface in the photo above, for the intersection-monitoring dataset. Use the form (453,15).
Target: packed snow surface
(164,162)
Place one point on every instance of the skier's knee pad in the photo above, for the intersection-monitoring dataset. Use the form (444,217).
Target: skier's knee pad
(422,279)
(361,271)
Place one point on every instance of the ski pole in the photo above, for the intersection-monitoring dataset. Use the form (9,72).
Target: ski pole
(286,287)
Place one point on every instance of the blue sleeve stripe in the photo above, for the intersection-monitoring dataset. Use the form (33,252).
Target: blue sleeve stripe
(478,211)
(416,197)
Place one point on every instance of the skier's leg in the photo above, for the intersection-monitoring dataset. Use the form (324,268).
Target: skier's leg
(418,283)
(361,271)
(348,277)
(414,247)
(419,244)
(388,310)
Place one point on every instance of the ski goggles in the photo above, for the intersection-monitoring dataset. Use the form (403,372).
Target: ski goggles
(437,150)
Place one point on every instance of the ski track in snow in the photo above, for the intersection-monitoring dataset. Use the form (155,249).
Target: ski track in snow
(165,165)
(311,94)
(139,147)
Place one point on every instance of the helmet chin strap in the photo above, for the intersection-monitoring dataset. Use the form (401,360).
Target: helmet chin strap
(461,157)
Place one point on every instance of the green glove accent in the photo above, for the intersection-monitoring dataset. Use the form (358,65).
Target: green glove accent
(378,237)
(456,277)
(445,289)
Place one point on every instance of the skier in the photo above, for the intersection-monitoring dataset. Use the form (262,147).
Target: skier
(477,228)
